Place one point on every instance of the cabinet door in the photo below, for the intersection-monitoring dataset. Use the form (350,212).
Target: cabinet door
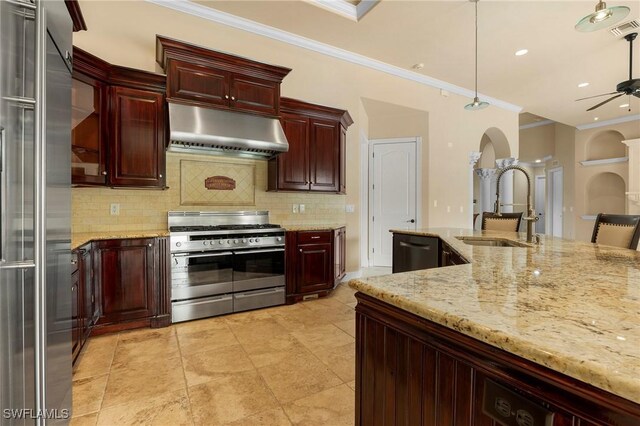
(197,84)
(138,138)
(89,120)
(254,94)
(324,156)
(125,277)
(293,166)
(76,317)
(315,268)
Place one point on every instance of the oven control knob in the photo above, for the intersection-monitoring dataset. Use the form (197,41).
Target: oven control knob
(178,244)
(204,243)
(257,240)
(228,241)
(220,242)
(279,239)
(244,241)
(250,240)
(235,241)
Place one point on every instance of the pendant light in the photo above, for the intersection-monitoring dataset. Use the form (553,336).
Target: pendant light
(603,17)
(476,104)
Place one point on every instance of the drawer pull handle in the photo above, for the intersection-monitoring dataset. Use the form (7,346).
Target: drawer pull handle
(315,237)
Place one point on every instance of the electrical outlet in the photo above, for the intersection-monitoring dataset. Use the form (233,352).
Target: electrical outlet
(435,203)
(294,209)
(301,208)
(448,209)
(349,208)
(115,209)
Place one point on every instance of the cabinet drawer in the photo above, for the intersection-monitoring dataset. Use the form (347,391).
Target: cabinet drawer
(314,237)
(258,299)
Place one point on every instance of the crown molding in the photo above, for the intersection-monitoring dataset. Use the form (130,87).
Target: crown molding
(345,8)
(243,24)
(618,120)
(536,124)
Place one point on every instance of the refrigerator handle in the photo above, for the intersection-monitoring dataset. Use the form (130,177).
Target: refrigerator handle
(3,194)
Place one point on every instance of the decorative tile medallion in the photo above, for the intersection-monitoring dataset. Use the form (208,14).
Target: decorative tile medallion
(214,183)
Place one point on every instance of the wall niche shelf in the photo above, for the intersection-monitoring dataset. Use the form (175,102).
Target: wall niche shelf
(605,161)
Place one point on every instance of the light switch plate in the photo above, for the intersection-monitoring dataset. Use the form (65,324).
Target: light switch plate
(294,209)
(301,208)
(349,208)
(114,209)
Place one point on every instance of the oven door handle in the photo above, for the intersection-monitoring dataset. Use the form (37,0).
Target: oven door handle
(274,250)
(189,256)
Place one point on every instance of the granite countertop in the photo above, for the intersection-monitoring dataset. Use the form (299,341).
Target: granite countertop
(81,238)
(326,227)
(571,306)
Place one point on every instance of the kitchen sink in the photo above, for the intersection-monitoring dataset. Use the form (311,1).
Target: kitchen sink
(491,242)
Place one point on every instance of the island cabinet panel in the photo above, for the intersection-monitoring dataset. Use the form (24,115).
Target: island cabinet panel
(411,371)
(138,147)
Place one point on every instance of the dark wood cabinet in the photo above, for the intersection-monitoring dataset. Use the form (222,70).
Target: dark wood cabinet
(84,308)
(118,128)
(316,160)
(125,275)
(339,254)
(450,257)
(412,371)
(315,262)
(138,138)
(132,283)
(205,77)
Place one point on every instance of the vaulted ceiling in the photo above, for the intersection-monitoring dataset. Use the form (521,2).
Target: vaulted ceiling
(439,34)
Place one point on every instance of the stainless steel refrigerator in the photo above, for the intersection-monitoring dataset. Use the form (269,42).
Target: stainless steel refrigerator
(35,288)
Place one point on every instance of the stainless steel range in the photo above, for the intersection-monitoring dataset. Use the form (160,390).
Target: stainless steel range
(224,262)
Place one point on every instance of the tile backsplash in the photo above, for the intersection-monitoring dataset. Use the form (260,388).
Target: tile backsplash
(147,209)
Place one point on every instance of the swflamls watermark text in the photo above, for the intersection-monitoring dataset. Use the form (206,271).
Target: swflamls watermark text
(30,413)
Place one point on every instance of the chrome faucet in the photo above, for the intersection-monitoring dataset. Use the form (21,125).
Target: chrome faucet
(532,218)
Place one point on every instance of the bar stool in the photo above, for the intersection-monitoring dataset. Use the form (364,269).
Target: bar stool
(617,230)
(507,222)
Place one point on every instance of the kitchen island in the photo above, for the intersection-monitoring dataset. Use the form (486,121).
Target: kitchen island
(545,334)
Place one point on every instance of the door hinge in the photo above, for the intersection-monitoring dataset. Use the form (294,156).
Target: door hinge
(373,250)
(373,186)
(93,299)
(373,218)
(373,154)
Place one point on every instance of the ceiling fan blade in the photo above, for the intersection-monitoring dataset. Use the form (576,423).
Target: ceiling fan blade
(602,103)
(596,96)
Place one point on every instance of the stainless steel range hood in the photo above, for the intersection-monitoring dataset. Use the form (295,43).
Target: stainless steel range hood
(200,130)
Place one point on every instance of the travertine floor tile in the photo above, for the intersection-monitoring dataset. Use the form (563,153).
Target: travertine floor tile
(257,331)
(165,409)
(298,376)
(154,344)
(275,350)
(344,294)
(352,385)
(200,324)
(214,364)
(230,398)
(274,417)
(333,407)
(86,420)
(143,380)
(348,327)
(215,336)
(88,394)
(323,337)
(247,317)
(341,360)
(96,357)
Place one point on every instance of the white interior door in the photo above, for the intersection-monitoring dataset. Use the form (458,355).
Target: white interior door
(393,195)
(555,202)
(540,192)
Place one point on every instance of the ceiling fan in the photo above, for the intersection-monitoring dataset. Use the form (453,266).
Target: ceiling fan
(629,87)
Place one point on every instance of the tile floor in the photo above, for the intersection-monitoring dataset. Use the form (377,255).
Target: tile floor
(277,366)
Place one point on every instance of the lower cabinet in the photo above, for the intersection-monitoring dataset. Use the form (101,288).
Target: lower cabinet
(314,262)
(84,309)
(411,371)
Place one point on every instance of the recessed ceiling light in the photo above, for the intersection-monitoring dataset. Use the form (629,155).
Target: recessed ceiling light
(522,52)
(583,84)
(596,118)
(538,161)
(418,66)
(624,105)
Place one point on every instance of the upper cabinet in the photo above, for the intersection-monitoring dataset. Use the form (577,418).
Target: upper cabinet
(317,149)
(204,77)
(119,128)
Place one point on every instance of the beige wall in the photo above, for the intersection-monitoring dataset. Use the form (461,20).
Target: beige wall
(123,33)
(595,189)
(537,142)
